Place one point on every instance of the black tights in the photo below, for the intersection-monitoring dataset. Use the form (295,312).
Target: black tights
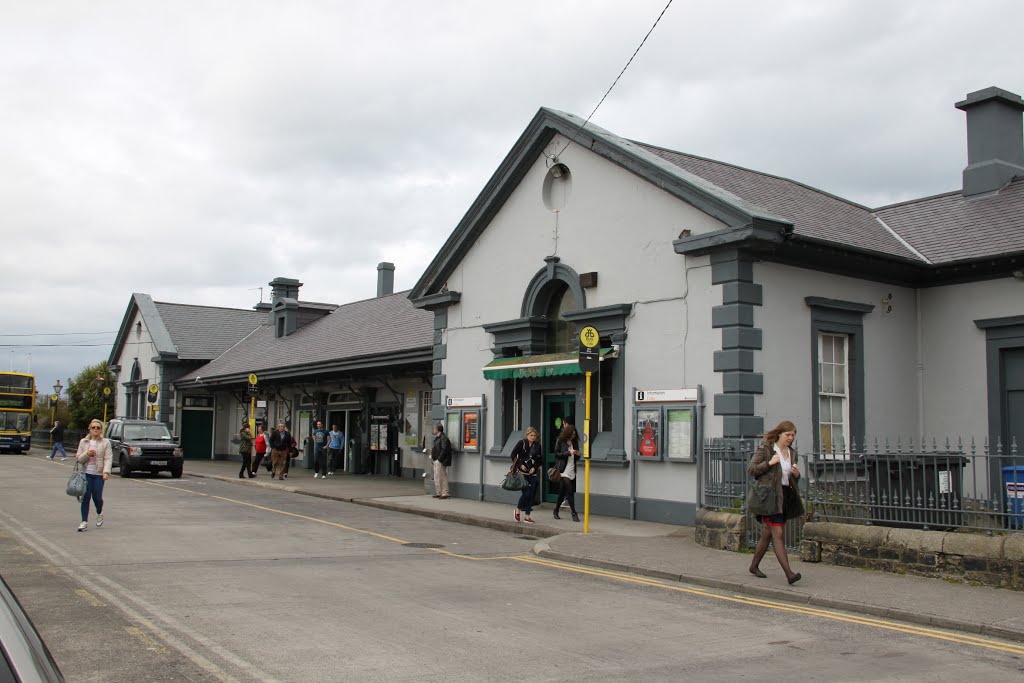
(771,534)
(246,464)
(567,491)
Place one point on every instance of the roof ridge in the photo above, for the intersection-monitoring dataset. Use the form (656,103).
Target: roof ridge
(919,199)
(219,308)
(760,173)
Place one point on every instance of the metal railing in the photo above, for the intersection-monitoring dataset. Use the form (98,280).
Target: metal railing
(914,483)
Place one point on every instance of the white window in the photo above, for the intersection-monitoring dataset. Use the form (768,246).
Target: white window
(833,393)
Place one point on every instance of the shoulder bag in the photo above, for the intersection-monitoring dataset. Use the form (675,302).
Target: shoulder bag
(76,483)
(761,498)
(554,476)
(514,481)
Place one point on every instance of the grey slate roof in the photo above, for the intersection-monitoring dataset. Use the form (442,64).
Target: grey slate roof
(814,213)
(950,228)
(205,332)
(363,329)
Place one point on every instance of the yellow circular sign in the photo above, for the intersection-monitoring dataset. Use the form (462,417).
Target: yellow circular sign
(154,388)
(54,397)
(106,391)
(253,378)
(589,336)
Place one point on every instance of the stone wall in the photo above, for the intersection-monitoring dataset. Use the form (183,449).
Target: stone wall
(996,560)
(720,530)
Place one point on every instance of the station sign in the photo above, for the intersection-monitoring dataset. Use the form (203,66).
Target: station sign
(664,395)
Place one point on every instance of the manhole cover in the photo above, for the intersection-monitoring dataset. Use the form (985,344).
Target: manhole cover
(422,545)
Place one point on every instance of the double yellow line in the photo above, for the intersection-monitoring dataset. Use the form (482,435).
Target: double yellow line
(952,637)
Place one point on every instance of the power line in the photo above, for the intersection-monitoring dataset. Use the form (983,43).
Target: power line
(54,334)
(607,92)
(34,346)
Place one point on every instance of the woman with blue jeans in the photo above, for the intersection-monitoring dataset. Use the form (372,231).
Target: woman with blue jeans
(95,454)
(527,458)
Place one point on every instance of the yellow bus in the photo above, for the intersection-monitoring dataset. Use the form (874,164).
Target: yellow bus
(17,400)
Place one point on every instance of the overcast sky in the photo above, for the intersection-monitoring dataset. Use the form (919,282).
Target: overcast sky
(196,150)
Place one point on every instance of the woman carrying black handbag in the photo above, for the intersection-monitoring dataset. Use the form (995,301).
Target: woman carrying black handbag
(775,463)
(527,459)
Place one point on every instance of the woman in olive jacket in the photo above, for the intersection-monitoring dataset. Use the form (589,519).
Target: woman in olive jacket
(776,461)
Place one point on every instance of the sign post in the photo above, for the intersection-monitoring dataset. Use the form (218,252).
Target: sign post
(253,390)
(106,400)
(589,361)
(154,391)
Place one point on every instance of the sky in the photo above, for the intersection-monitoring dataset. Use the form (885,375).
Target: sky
(195,150)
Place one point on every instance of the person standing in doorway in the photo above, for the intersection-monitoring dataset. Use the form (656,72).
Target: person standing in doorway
(441,455)
(280,443)
(567,454)
(320,438)
(245,450)
(57,434)
(336,449)
(527,458)
(776,461)
(261,448)
(95,453)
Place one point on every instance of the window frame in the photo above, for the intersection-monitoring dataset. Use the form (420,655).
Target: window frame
(833,316)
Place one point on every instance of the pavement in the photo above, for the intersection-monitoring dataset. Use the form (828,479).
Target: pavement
(669,552)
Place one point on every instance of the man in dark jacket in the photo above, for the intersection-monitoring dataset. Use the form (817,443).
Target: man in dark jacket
(57,433)
(441,454)
(280,442)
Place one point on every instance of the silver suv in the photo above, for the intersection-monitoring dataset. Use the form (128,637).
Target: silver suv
(144,446)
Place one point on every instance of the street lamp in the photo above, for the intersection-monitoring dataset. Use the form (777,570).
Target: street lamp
(104,394)
(53,408)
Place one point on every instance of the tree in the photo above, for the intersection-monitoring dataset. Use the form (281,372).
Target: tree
(85,398)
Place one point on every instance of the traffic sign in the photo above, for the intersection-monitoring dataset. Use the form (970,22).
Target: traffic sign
(106,391)
(589,337)
(253,379)
(253,389)
(590,361)
(154,388)
(53,399)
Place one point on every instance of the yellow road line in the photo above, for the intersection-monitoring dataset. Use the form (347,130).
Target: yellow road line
(870,622)
(89,597)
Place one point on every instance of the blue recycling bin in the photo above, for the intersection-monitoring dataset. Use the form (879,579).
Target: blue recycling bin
(1013,484)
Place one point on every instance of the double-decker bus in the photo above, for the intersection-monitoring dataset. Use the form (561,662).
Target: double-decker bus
(17,400)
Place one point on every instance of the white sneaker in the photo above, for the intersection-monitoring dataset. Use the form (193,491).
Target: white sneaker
(83,526)
(99,520)
(316,475)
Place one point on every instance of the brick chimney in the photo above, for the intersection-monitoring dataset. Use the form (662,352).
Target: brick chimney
(995,139)
(385,278)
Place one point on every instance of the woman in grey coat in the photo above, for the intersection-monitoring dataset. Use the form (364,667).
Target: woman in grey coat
(776,461)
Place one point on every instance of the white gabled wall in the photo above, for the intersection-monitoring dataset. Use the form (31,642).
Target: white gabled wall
(135,346)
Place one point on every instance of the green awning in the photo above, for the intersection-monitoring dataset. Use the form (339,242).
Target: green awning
(545,365)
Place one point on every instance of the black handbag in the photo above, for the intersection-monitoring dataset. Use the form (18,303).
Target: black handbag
(514,481)
(761,498)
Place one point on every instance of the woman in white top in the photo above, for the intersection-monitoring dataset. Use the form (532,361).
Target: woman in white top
(567,454)
(776,460)
(95,454)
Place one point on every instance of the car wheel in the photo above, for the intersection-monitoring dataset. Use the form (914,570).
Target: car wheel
(176,472)
(122,464)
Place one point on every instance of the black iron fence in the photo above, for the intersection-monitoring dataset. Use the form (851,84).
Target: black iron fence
(916,483)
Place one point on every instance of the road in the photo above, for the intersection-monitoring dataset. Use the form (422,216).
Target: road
(203,580)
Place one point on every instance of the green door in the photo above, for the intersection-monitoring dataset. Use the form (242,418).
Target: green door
(197,434)
(558,411)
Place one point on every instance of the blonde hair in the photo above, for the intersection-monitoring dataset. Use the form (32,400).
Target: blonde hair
(532,430)
(96,422)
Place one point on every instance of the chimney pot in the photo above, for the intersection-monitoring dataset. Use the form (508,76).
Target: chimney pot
(385,278)
(995,139)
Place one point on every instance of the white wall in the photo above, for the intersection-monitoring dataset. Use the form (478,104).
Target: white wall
(890,350)
(955,371)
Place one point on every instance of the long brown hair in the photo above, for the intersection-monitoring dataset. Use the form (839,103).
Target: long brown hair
(772,435)
(568,432)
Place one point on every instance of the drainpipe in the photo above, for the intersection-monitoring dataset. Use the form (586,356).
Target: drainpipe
(480,441)
(632,473)
(920,364)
